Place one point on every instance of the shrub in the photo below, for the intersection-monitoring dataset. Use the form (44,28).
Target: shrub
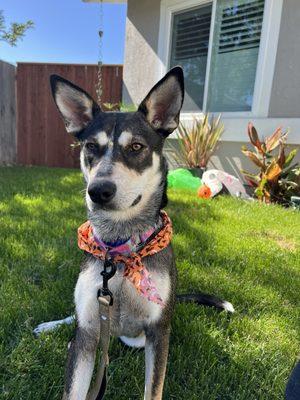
(276,180)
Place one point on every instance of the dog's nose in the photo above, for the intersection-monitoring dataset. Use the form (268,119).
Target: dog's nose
(102,192)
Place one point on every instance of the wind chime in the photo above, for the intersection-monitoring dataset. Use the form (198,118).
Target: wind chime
(99,81)
(98,86)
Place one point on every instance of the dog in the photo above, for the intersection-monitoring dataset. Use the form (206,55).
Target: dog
(125,172)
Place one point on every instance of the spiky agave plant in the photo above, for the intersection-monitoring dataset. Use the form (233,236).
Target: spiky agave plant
(195,145)
(272,182)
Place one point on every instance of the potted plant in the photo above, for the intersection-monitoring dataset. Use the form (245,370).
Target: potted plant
(196,144)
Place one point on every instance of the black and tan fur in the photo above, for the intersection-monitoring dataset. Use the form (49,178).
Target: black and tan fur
(125,173)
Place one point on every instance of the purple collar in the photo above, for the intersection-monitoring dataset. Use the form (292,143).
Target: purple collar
(125,247)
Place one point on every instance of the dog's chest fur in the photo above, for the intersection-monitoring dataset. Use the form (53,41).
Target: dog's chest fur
(131,313)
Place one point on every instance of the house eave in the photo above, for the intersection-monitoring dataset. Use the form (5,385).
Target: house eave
(105,1)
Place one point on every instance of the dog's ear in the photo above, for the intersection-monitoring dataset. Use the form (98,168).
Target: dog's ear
(75,105)
(161,107)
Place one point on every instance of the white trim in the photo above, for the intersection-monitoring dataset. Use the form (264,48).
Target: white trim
(210,43)
(266,58)
(104,1)
(167,9)
(236,127)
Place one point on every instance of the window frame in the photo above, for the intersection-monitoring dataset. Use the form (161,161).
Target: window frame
(266,56)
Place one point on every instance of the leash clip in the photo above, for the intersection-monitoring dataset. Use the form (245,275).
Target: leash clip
(107,273)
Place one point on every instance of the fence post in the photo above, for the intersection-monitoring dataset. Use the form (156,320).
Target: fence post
(8,143)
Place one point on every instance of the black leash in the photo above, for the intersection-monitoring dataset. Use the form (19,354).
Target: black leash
(109,270)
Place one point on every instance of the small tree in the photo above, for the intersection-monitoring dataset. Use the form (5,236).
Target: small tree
(14,32)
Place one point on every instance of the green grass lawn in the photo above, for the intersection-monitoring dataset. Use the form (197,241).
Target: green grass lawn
(244,252)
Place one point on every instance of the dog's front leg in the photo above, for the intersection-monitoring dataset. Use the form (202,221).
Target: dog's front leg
(82,353)
(156,356)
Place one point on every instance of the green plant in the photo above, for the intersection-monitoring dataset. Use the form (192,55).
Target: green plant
(125,107)
(120,107)
(276,180)
(111,106)
(15,32)
(289,183)
(196,145)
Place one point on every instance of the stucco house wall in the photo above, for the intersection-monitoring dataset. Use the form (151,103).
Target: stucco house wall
(145,63)
(142,68)
(141,64)
(285,97)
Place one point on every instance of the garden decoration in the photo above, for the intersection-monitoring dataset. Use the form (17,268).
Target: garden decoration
(213,182)
(277,180)
(182,178)
(211,185)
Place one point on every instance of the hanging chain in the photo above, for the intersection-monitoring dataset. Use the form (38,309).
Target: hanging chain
(98,85)
(99,88)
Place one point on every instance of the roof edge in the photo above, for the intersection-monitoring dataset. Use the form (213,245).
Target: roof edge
(105,1)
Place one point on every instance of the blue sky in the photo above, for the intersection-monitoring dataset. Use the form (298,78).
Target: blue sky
(65,31)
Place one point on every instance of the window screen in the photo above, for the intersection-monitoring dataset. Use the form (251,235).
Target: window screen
(189,48)
(235,49)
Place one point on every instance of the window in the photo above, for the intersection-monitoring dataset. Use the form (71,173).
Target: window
(222,78)
(189,48)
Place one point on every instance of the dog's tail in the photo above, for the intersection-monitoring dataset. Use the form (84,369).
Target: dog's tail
(205,300)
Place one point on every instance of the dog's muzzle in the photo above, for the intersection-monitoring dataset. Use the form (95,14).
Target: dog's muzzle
(102,191)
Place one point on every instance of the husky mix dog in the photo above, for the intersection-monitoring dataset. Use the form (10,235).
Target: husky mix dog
(125,173)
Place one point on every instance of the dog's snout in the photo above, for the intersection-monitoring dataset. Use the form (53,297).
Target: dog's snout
(102,192)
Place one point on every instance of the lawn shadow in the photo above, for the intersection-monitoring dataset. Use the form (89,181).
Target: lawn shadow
(41,211)
(183,218)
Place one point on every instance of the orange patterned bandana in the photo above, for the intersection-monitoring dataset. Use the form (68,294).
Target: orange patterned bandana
(134,270)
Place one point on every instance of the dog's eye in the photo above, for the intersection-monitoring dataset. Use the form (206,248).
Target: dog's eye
(91,146)
(136,146)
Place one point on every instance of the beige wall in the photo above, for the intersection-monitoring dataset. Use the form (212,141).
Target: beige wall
(142,70)
(141,63)
(285,96)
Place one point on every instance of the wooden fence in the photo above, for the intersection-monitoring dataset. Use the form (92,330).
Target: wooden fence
(7,113)
(41,135)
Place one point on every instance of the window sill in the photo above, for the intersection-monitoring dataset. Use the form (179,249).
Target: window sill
(236,126)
